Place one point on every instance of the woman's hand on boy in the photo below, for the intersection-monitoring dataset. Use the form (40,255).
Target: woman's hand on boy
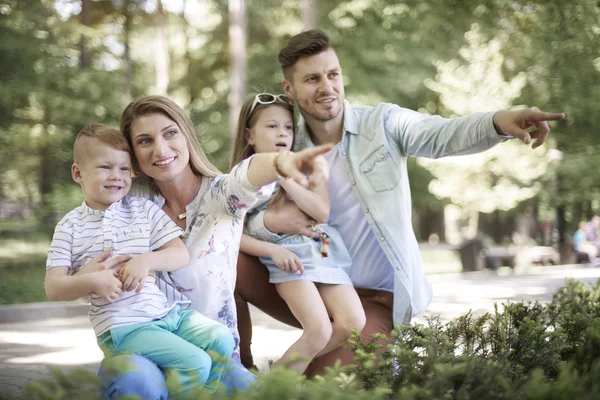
(133,274)
(102,262)
(107,285)
(286,260)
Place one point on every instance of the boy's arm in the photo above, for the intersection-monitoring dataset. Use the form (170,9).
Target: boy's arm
(170,256)
(63,287)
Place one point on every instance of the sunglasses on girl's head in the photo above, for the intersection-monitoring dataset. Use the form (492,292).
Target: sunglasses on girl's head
(268,98)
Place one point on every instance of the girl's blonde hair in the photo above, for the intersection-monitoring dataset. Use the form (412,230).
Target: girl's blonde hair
(241,149)
(247,119)
(199,162)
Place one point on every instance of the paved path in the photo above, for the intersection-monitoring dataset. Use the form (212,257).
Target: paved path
(61,335)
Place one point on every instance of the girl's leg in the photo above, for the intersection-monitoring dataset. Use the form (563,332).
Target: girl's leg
(305,302)
(344,307)
(252,286)
(131,376)
(378,308)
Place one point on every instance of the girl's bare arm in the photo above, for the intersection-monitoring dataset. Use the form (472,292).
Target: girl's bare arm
(314,201)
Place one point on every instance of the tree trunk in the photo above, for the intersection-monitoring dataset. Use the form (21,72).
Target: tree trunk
(85,60)
(47,168)
(127,67)
(473,225)
(162,51)
(309,14)
(237,50)
(190,78)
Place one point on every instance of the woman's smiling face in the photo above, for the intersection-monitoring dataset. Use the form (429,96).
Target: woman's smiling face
(159,146)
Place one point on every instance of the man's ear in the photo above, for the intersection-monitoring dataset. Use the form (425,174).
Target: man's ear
(76,173)
(287,86)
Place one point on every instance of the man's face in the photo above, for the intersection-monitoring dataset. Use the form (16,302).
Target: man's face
(317,86)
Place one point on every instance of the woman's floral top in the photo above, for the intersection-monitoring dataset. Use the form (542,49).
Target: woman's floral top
(214,224)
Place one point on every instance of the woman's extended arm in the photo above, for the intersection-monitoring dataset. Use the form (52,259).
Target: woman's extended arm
(269,167)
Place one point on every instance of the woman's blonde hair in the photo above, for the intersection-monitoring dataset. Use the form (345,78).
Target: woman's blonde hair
(199,162)
(241,149)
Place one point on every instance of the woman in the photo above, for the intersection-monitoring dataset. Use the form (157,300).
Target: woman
(177,176)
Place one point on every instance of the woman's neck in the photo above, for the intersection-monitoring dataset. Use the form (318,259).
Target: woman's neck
(180,192)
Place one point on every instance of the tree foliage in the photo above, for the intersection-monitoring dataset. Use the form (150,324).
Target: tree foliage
(389,51)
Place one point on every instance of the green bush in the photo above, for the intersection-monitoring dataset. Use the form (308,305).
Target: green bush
(527,351)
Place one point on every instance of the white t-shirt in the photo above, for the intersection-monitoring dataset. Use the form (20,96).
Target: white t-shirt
(370,267)
(130,226)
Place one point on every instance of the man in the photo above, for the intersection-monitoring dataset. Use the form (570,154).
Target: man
(368,185)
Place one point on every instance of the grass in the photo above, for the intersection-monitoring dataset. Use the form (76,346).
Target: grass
(22,267)
(23,251)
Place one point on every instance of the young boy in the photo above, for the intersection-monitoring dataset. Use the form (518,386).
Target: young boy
(125,320)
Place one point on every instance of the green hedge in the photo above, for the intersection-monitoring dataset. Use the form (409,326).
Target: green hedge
(526,351)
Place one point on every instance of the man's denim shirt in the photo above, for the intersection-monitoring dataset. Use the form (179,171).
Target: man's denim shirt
(376,144)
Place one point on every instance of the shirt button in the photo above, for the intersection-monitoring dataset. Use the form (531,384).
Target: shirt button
(382,239)
(353,183)
(366,210)
(344,153)
(382,156)
(398,268)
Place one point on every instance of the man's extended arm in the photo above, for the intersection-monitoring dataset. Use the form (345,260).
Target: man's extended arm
(433,136)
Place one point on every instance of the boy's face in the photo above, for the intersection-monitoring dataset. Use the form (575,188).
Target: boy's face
(104,175)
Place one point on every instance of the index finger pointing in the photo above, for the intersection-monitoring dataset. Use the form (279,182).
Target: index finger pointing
(545,116)
(315,151)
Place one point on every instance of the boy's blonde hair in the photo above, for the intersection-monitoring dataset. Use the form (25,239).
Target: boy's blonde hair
(105,134)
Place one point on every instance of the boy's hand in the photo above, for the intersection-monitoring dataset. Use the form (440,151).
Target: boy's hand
(286,260)
(107,285)
(134,273)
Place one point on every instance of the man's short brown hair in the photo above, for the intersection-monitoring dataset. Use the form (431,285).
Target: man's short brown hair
(105,134)
(304,44)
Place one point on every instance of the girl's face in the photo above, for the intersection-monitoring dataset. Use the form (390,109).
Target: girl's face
(159,147)
(273,130)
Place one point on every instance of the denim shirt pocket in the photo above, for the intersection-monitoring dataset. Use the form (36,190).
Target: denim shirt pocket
(380,170)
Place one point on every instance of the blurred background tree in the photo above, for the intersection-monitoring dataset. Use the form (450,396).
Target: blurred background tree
(68,63)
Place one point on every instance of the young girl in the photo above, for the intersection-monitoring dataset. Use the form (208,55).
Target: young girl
(311,275)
